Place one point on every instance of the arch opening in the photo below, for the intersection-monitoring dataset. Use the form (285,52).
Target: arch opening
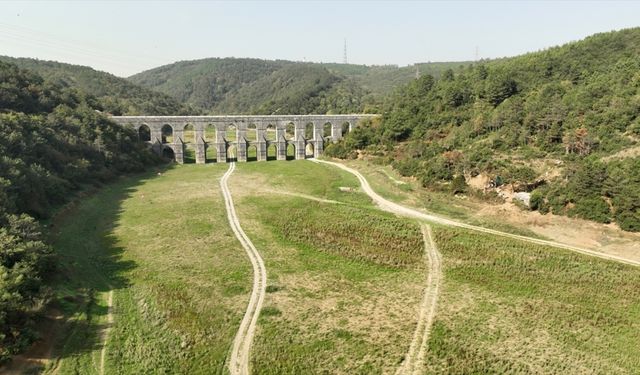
(230,134)
(272,152)
(252,153)
(167,133)
(167,153)
(308,131)
(290,131)
(291,151)
(189,134)
(252,134)
(345,129)
(232,154)
(210,153)
(270,133)
(309,150)
(144,133)
(326,130)
(210,133)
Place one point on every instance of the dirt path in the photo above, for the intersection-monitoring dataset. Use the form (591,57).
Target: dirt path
(305,196)
(414,359)
(240,353)
(409,212)
(105,332)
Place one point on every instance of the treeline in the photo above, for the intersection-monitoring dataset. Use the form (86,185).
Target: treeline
(254,86)
(52,142)
(577,104)
(114,95)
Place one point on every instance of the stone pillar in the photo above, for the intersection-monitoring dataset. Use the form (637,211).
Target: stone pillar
(156,134)
(299,141)
(178,151)
(201,150)
(336,131)
(221,151)
(241,149)
(281,149)
(261,149)
(318,147)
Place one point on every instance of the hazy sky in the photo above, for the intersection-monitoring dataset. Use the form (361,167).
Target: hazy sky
(127,37)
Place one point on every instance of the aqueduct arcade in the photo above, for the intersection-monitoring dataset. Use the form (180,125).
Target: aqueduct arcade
(241,137)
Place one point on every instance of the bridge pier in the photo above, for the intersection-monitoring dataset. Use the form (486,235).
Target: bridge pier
(241,150)
(261,149)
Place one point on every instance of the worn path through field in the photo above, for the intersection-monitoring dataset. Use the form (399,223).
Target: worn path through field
(410,212)
(414,359)
(105,333)
(240,353)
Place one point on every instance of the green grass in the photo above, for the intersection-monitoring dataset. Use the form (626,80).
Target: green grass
(514,307)
(339,300)
(164,245)
(344,283)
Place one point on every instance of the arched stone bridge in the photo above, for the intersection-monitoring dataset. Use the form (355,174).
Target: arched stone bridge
(236,137)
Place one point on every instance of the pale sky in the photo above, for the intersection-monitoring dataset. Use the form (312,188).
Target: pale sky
(125,38)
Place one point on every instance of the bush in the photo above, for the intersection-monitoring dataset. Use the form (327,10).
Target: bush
(458,184)
(592,208)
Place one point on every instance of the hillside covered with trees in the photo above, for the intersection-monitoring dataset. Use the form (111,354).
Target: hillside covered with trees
(562,123)
(54,142)
(254,86)
(115,95)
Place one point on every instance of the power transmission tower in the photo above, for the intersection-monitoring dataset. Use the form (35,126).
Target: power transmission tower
(344,58)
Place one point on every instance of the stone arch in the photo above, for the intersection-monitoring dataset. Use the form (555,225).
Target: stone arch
(230,133)
(309,150)
(167,133)
(252,153)
(290,131)
(308,131)
(167,153)
(252,133)
(189,134)
(345,128)
(211,153)
(270,132)
(326,130)
(232,152)
(272,151)
(144,133)
(210,133)
(291,151)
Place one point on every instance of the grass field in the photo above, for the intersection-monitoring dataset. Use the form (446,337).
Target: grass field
(513,307)
(344,284)
(340,299)
(180,280)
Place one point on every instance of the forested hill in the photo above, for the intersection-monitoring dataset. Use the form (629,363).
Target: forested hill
(231,85)
(563,122)
(115,95)
(53,142)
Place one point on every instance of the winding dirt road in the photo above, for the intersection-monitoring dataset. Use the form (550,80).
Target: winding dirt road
(409,212)
(240,353)
(414,359)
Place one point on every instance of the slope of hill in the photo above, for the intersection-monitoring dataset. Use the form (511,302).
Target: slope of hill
(115,95)
(543,122)
(231,85)
(53,142)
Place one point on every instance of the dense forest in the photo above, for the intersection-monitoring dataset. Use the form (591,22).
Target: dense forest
(254,86)
(54,142)
(575,107)
(115,95)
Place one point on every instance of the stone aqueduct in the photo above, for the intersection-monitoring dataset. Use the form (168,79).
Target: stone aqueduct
(301,131)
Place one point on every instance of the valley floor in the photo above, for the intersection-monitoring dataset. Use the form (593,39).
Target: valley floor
(350,289)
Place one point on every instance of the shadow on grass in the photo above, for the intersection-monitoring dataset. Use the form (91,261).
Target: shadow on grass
(90,265)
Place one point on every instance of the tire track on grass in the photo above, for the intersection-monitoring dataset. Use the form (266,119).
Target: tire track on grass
(414,359)
(398,209)
(103,352)
(240,353)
